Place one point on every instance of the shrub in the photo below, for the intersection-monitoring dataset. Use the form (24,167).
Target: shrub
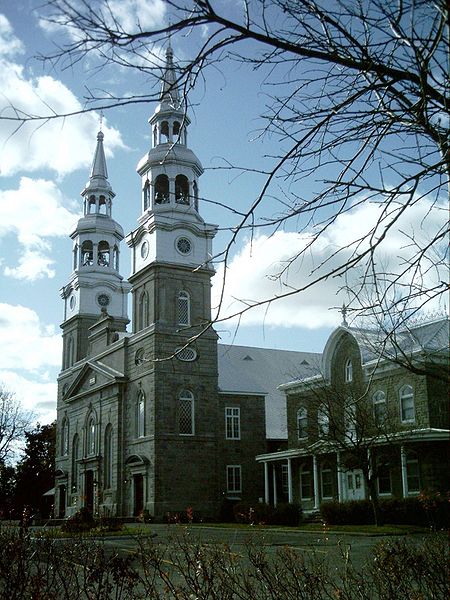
(109,524)
(355,512)
(286,514)
(263,514)
(81,521)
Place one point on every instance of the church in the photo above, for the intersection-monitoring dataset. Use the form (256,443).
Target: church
(164,417)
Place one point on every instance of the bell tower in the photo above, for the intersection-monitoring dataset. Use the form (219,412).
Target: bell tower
(95,285)
(173,344)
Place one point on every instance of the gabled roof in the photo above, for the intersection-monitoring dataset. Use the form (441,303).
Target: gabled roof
(108,376)
(259,371)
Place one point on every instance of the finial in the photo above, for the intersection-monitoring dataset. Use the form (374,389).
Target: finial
(101,120)
(343,312)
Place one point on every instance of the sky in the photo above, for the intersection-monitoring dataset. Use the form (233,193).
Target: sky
(44,167)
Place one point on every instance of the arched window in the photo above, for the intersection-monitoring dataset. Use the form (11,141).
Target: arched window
(348,371)
(302,423)
(87,254)
(155,135)
(350,419)
(323,422)
(176,129)
(146,194)
(65,437)
(184,308)
(91,205)
(379,407)
(90,436)
(116,258)
(161,189)
(140,415)
(186,413)
(305,482)
(181,189)
(107,474)
(407,410)
(195,190)
(70,351)
(103,254)
(102,205)
(143,319)
(164,132)
(75,457)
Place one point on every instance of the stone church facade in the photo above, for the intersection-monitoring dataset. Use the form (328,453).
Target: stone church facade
(163,417)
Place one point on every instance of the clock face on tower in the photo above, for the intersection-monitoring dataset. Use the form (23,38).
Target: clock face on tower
(103,300)
(144,249)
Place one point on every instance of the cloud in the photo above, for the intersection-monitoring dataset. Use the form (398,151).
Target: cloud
(36,396)
(42,215)
(253,275)
(26,343)
(62,145)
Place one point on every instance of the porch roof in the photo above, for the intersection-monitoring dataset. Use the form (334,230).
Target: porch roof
(324,446)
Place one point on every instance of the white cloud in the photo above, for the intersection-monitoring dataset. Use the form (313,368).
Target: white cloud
(26,343)
(252,273)
(134,15)
(10,45)
(37,396)
(34,212)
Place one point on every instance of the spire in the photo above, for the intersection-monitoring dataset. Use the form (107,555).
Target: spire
(169,88)
(98,190)
(99,170)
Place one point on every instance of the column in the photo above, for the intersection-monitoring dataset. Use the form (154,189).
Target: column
(339,476)
(274,481)
(289,472)
(404,471)
(266,483)
(316,482)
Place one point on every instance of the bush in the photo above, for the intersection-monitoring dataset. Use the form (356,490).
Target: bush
(263,514)
(355,512)
(109,524)
(80,522)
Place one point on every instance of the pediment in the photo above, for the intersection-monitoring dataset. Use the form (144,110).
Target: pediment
(94,375)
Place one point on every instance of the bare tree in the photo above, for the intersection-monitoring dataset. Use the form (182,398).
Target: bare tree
(13,423)
(357,95)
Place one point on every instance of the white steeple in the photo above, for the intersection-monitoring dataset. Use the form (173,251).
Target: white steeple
(170,191)
(96,282)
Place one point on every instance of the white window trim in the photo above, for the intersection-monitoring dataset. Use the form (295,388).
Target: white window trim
(185,296)
(385,494)
(323,418)
(378,402)
(305,471)
(408,461)
(326,469)
(140,417)
(234,468)
(232,417)
(401,398)
(305,411)
(191,399)
(348,373)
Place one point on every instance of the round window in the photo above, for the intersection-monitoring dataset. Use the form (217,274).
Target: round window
(186,354)
(103,299)
(184,245)
(72,302)
(144,249)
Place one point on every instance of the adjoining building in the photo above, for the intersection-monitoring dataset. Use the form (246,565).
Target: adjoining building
(162,418)
(374,408)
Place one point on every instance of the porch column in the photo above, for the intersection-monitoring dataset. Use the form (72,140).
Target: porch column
(289,473)
(339,476)
(274,483)
(316,482)
(404,472)
(266,483)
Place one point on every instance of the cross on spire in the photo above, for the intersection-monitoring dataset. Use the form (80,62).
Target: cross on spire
(344,311)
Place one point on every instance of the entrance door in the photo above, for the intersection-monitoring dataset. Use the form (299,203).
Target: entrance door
(62,501)
(354,485)
(138,490)
(89,490)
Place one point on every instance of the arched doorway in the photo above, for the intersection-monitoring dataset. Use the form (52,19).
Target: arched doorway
(138,494)
(89,490)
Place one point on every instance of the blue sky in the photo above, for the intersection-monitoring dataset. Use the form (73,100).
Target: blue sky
(44,168)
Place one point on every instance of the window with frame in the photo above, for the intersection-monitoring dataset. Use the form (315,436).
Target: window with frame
(186,413)
(285,479)
(302,423)
(412,474)
(305,483)
(90,437)
(350,419)
(326,480)
(140,415)
(184,308)
(379,407)
(348,371)
(384,482)
(407,410)
(232,423)
(107,474)
(234,479)
(75,457)
(65,437)
(143,319)
(323,423)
